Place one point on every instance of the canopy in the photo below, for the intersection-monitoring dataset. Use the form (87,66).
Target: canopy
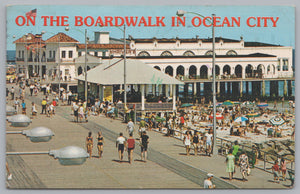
(111,72)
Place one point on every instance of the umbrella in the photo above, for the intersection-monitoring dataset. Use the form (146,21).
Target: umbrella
(277,121)
(228,103)
(236,102)
(186,105)
(218,116)
(241,119)
(262,105)
(253,115)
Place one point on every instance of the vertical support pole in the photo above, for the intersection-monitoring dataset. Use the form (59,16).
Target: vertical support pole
(174,97)
(143,96)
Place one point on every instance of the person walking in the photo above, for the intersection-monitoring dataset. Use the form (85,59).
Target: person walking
(89,144)
(130,147)
(100,139)
(275,170)
(230,161)
(12,92)
(120,144)
(23,107)
(44,103)
(130,127)
(187,142)
(208,140)
(144,140)
(196,143)
(244,165)
(208,183)
(283,169)
(31,87)
(33,109)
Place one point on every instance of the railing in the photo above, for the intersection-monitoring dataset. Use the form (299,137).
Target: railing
(262,155)
(50,59)
(19,59)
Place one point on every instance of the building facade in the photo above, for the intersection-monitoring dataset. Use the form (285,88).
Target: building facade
(243,69)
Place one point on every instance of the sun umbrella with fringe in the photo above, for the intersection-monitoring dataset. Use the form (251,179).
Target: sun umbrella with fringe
(241,119)
(277,121)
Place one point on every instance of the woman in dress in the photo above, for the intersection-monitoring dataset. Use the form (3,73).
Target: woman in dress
(230,160)
(100,144)
(187,142)
(283,168)
(244,164)
(89,144)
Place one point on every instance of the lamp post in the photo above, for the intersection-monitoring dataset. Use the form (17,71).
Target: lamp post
(39,55)
(181,13)
(85,63)
(124,56)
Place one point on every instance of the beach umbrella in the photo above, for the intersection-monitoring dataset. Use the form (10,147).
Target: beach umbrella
(186,105)
(236,102)
(262,105)
(228,103)
(218,116)
(241,119)
(277,121)
(253,115)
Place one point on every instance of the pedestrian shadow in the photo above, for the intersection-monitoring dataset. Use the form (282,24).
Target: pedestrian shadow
(233,178)
(138,160)
(118,161)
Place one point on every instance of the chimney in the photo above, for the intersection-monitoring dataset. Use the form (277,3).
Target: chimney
(101,37)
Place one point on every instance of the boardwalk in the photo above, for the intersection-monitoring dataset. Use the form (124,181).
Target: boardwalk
(167,165)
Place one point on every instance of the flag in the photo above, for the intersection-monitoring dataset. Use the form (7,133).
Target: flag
(31,13)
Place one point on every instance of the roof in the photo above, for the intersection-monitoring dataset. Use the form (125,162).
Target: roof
(259,44)
(207,56)
(102,46)
(30,38)
(61,37)
(195,40)
(111,73)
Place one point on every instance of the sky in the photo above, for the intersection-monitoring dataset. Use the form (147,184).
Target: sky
(282,34)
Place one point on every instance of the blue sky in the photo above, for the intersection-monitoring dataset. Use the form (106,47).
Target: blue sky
(283,34)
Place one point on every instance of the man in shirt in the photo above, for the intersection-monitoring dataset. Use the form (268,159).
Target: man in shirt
(207,182)
(44,104)
(130,127)
(12,92)
(120,144)
(144,140)
(209,142)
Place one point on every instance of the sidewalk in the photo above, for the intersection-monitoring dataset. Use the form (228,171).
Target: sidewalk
(167,160)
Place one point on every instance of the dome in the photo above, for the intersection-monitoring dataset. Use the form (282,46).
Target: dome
(39,134)
(71,155)
(19,120)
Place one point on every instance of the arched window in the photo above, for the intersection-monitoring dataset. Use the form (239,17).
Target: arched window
(156,67)
(79,71)
(231,52)
(166,53)
(188,53)
(143,54)
(209,53)
(169,70)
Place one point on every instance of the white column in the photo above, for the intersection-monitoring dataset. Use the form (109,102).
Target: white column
(153,89)
(112,93)
(143,96)
(195,88)
(159,89)
(174,97)
(167,90)
(171,90)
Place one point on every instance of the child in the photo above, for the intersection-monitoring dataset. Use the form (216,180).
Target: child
(275,169)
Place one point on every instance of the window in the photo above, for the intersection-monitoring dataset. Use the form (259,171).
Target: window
(63,54)
(166,53)
(22,54)
(53,54)
(67,71)
(96,54)
(79,53)
(70,54)
(143,54)
(231,52)
(278,65)
(285,66)
(188,53)
(19,54)
(50,54)
(209,53)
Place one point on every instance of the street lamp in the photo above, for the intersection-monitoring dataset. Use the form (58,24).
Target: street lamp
(85,64)
(181,13)
(39,55)
(124,56)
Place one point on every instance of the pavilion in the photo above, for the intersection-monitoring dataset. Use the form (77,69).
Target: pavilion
(111,72)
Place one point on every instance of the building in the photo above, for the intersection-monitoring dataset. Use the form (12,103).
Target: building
(243,68)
